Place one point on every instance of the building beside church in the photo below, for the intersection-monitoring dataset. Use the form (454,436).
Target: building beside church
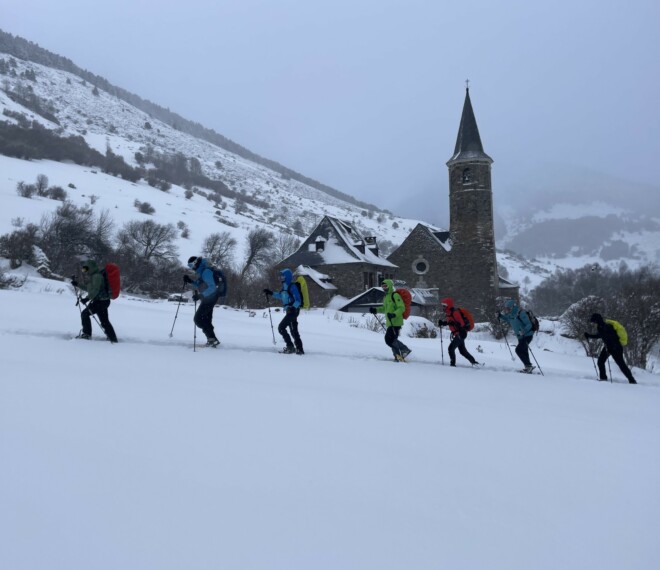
(461,262)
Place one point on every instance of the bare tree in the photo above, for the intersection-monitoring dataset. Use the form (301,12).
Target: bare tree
(148,240)
(42,185)
(285,245)
(576,321)
(259,251)
(219,248)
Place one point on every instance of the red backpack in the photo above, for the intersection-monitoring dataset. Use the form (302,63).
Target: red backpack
(467,318)
(407,300)
(112,279)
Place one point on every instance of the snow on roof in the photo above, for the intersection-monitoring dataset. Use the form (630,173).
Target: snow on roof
(321,279)
(353,244)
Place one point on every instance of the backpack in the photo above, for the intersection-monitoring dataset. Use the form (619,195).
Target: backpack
(467,318)
(532,319)
(407,301)
(620,331)
(301,285)
(111,280)
(220,281)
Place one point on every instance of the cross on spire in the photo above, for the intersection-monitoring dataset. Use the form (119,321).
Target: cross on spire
(467,83)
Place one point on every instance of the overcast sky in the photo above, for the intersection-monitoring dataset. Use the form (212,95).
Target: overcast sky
(366,95)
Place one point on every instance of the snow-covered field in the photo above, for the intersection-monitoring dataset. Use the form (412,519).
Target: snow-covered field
(148,455)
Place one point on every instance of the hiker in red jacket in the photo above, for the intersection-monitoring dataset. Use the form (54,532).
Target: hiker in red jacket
(459,327)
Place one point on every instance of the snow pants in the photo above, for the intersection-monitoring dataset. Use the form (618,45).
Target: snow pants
(617,356)
(458,342)
(290,321)
(99,308)
(204,316)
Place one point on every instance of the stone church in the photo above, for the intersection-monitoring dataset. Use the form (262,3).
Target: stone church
(460,263)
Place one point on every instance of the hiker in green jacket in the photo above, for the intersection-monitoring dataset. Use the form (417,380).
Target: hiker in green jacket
(97,301)
(393,307)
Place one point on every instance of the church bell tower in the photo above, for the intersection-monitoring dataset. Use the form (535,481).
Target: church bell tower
(471,217)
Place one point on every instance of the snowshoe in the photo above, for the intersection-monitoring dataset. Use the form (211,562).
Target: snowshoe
(212,342)
(288,350)
(527,370)
(84,336)
(300,351)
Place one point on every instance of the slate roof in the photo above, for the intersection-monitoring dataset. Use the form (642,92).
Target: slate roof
(342,243)
(468,142)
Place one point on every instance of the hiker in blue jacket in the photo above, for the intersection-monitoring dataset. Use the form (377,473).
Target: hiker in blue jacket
(291,301)
(207,292)
(518,320)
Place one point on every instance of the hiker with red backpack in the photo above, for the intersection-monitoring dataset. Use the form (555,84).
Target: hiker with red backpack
(207,291)
(522,327)
(97,300)
(459,325)
(393,307)
(606,330)
(291,301)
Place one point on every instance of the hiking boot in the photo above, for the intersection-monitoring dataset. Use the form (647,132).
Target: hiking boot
(633,381)
(212,342)
(405,352)
(528,369)
(84,336)
(300,351)
(452,364)
(288,350)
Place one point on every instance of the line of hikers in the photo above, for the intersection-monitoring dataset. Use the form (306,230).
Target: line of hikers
(209,285)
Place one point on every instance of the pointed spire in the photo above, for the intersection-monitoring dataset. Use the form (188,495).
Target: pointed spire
(468,141)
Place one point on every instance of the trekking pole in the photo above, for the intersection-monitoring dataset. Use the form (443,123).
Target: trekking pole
(593,361)
(177,310)
(272,330)
(507,342)
(442,348)
(610,369)
(537,362)
(195,330)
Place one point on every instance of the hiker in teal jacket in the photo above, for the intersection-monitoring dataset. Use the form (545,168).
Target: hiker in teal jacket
(393,308)
(522,328)
(97,301)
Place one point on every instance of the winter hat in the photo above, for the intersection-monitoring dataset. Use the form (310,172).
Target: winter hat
(596,318)
(194,261)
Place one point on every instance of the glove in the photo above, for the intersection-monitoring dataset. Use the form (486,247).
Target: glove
(196,296)
(74,282)
(587,335)
(268,292)
(186,279)
(84,300)
(373,310)
(498,315)
(442,323)
(391,316)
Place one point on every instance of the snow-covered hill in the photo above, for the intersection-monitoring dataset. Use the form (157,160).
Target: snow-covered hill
(145,454)
(106,121)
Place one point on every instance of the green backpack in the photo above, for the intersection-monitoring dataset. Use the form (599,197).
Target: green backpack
(620,331)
